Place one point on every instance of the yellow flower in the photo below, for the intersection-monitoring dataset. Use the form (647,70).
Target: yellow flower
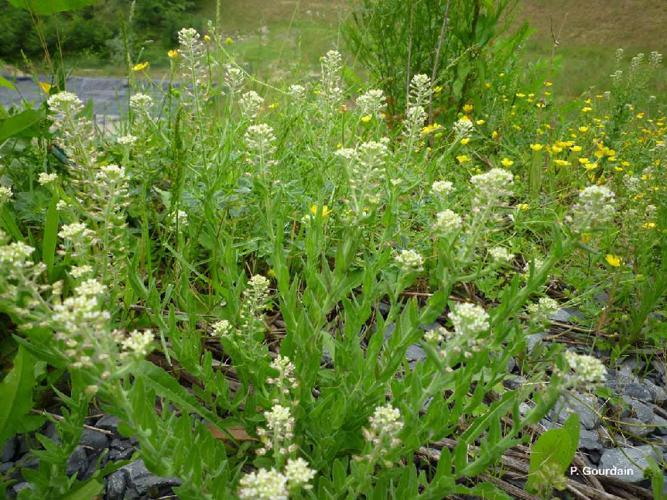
(548,84)
(463,159)
(562,163)
(506,162)
(523,206)
(487,85)
(140,67)
(585,238)
(207,38)
(583,129)
(429,129)
(465,140)
(229,41)
(536,147)
(591,166)
(314,209)
(468,108)
(494,135)
(575,149)
(584,161)
(273,105)
(480,122)
(437,89)
(172,54)
(613,260)
(46,87)
(556,149)
(649,225)
(586,109)
(366,118)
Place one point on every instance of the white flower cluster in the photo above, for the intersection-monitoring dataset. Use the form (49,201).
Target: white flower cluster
(127,140)
(588,370)
(222,328)
(372,103)
(259,141)
(273,485)
(141,104)
(15,255)
(442,188)
(138,344)
(332,64)
(409,260)
(448,222)
(193,54)
(501,255)
(285,380)
(297,92)
(493,185)
(45,178)
(250,103)
(365,168)
(279,431)
(234,78)
(5,194)
(385,426)
(76,133)
(594,208)
(543,309)
(463,127)
(469,319)
(255,301)
(77,239)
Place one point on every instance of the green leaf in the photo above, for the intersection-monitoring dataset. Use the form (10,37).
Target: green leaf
(85,491)
(16,394)
(6,83)
(47,7)
(50,234)
(168,387)
(551,454)
(14,125)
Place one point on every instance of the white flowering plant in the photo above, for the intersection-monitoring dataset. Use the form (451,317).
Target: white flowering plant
(280,295)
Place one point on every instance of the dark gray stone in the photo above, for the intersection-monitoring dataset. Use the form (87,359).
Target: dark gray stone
(141,480)
(94,439)
(566,315)
(108,423)
(8,450)
(115,485)
(6,467)
(534,340)
(590,440)
(415,353)
(121,449)
(20,487)
(77,463)
(514,382)
(629,462)
(585,405)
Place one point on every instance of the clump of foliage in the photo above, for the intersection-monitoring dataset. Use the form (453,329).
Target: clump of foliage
(458,43)
(279,294)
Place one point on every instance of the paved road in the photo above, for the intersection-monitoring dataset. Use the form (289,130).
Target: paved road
(109,95)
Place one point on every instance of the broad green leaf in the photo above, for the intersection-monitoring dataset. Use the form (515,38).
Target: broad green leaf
(14,125)
(551,454)
(47,7)
(16,394)
(6,83)
(50,238)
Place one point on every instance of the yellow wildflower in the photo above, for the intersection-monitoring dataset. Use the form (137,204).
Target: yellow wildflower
(463,159)
(314,209)
(465,140)
(229,41)
(562,163)
(172,54)
(523,206)
(583,129)
(536,147)
(467,109)
(368,118)
(480,122)
(613,260)
(141,66)
(46,87)
(506,162)
(649,225)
